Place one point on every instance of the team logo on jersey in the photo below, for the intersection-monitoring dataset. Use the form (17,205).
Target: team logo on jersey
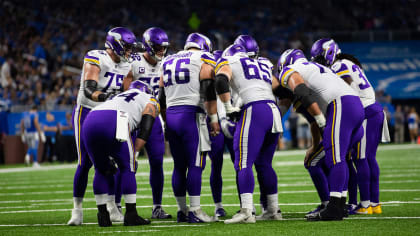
(142,70)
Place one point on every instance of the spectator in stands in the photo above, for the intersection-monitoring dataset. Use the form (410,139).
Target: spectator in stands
(413,120)
(66,145)
(50,127)
(399,120)
(7,81)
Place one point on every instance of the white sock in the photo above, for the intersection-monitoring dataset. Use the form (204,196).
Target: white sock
(365,204)
(111,198)
(374,204)
(218,205)
(194,203)
(246,201)
(344,194)
(182,203)
(101,199)
(335,194)
(77,202)
(325,203)
(129,198)
(156,206)
(272,203)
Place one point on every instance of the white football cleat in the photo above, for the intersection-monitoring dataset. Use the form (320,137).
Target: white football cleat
(36,165)
(76,217)
(114,213)
(244,216)
(199,216)
(267,215)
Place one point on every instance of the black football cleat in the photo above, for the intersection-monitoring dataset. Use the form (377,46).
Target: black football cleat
(333,211)
(103,219)
(133,219)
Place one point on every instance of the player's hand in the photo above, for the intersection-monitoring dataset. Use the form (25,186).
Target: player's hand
(309,152)
(214,129)
(228,127)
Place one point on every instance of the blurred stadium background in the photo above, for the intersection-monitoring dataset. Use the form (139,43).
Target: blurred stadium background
(43,43)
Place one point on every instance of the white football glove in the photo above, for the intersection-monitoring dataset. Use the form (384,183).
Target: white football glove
(231,111)
(42,137)
(228,127)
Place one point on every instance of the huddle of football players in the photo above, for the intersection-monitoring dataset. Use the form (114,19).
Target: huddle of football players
(200,100)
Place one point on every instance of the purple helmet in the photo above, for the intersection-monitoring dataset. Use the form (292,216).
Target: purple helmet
(217,54)
(289,57)
(325,51)
(155,40)
(121,40)
(234,49)
(142,86)
(249,44)
(197,40)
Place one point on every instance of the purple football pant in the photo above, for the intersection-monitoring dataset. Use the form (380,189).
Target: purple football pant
(318,171)
(189,162)
(258,148)
(344,127)
(155,148)
(365,154)
(216,156)
(99,134)
(84,163)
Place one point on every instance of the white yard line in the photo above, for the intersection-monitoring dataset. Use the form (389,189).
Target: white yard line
(203,205)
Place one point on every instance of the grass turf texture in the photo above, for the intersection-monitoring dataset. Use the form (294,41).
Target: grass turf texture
(39,202)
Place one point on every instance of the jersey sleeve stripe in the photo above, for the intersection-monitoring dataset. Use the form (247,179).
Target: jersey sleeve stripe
(283,77)
(92,61)
(220,64)
(343,72)
(91,57)
(209,61)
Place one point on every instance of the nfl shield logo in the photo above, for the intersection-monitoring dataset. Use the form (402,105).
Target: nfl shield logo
(142,70)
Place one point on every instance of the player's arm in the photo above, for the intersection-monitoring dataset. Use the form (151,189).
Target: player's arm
(162,99)
(284,95)
(127,80)
(304,94)
(146,124)
(38,128)
(90,80)
(207,91)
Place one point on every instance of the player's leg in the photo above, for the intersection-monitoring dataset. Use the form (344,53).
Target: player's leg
(216,181)
(174,122)
(374,132)
(268,178)
(352,186)
(83,166)
(155,148)
(247,148)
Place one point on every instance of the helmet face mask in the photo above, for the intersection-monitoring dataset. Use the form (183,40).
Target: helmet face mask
(199,41)
(122,42)
(156,42)
(249,44)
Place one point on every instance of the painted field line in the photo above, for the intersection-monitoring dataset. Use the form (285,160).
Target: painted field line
(130,231)
(203,205)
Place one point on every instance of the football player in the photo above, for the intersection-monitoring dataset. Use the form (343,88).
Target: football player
(325,51)
(145,67)
(109,133)
(188,89)
(260,115)
(341,128)
(102,77)
(30,133)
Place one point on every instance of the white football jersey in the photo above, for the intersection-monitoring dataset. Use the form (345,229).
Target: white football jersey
(360,84)
(251,78)
(110,76)
(132,101)
(181,77)
(320,79)
(143,71)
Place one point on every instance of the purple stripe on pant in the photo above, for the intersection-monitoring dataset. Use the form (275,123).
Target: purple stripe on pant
(344,127)
(84,164)
(99,138)
(254,143)
(182,133)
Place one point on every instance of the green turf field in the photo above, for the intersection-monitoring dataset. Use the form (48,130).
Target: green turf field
(39,201)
